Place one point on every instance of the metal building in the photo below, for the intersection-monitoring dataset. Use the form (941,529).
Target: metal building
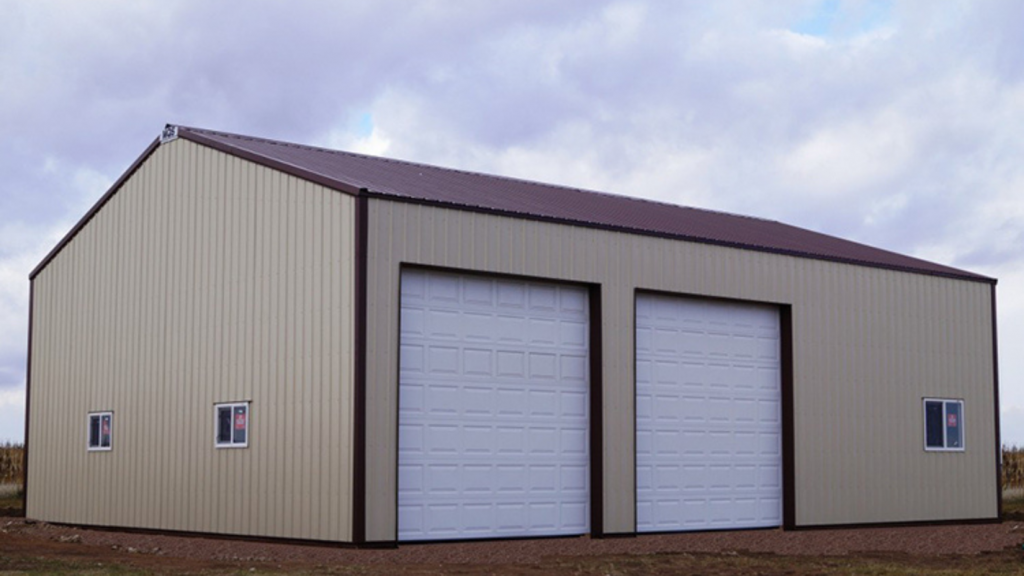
(261,338)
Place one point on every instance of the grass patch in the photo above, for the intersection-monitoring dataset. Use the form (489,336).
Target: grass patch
(1013,505)
(12,496)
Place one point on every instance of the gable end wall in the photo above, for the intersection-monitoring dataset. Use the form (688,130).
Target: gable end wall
(205,278)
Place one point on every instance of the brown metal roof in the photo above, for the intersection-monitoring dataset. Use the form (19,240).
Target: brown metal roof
(407,181)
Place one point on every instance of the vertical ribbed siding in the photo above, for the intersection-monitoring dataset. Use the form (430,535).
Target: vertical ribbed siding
(205,279)
(868,344)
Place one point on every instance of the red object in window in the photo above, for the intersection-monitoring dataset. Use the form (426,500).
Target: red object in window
(106,427)
(240,421)
(951,420)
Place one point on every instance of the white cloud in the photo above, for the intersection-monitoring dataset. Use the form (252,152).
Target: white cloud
(854,155)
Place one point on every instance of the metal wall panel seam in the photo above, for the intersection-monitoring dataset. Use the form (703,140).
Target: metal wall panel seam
(332,286)
(197,343)
(152,327)
(260,352)
(116,211)
(161,464)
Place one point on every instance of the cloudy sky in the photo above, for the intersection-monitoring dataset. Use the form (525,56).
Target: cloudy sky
(893,124)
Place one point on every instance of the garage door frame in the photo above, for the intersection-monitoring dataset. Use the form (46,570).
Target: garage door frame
(786,392)
(596,428)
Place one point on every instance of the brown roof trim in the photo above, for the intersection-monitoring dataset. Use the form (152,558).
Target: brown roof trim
(655,234)
(188,134)
(197,136)
(96,208)
(267,148)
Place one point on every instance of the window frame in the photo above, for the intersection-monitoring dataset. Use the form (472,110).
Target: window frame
(945,429)
(88,431)
(216,423)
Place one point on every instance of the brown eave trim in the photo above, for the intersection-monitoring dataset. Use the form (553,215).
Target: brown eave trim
(995,407)
(359,376)
(683,237)
(285,167)
(95,208)
(28,398)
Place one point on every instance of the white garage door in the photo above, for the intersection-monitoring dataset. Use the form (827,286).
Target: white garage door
(493,407)
(709,427)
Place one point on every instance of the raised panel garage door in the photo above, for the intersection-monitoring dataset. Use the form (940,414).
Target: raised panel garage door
(709,430)
(493,408)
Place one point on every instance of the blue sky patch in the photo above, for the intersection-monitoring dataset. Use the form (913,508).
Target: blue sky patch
(364,124)
(835,19)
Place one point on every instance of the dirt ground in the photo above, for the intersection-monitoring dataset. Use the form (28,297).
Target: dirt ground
(27,547)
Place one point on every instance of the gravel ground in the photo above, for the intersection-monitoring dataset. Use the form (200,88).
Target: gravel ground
(926,541)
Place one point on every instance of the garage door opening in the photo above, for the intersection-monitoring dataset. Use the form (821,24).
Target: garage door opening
(709,421)
(493,408)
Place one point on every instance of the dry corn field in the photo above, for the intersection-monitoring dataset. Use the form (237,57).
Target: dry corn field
(1013,469)
(10,463)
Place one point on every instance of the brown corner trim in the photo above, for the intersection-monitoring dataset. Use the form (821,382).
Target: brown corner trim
(95,208)
(995,408)
(899,524)
(359,376)
(788,418)
(28,397)
(596,414)
(285,167)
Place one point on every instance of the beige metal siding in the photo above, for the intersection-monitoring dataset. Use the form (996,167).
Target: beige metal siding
(205,279)
(869,344)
